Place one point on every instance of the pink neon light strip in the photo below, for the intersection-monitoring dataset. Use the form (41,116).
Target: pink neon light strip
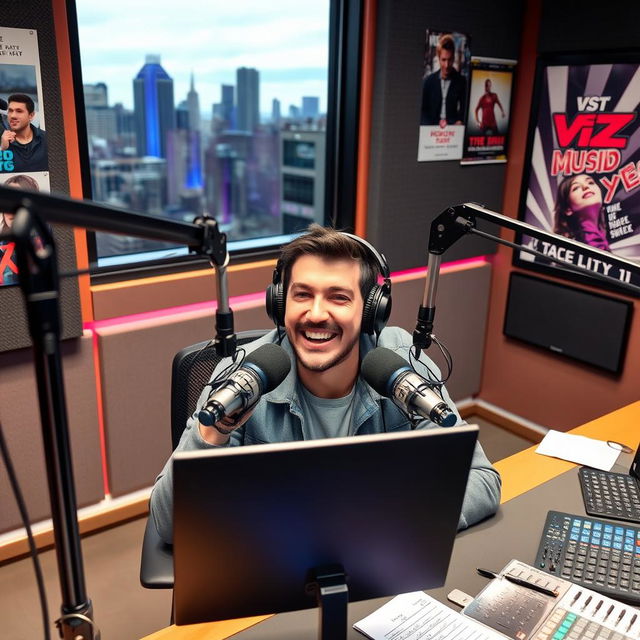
(444,267)
(208,305)
(252,298)
(101,428)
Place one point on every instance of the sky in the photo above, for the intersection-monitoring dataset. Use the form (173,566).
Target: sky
(286,40)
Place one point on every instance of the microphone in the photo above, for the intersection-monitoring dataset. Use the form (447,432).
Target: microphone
(391,376)
(3,105)
(262,371)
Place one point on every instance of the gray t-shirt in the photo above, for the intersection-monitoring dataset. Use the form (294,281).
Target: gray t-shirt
(326,417)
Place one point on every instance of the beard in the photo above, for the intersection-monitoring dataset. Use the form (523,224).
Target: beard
(339,357)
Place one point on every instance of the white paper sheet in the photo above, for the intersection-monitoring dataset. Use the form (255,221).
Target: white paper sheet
(580,449)
(417,616)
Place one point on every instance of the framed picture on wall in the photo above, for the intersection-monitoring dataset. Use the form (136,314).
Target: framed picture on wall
(581,177)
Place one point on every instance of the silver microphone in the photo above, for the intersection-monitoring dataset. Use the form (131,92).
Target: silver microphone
(391,376)
(262,371)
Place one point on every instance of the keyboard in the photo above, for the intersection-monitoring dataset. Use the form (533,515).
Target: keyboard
(567,624)
(610,495)
(600,555)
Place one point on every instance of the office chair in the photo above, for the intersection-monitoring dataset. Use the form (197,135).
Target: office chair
(191,370)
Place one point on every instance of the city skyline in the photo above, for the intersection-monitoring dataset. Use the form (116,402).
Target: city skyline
(287,46)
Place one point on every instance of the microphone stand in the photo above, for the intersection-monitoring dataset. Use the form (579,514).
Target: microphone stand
(454,222)
(39,281)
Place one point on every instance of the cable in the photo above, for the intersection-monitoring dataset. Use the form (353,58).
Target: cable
(438,383)
(13,480)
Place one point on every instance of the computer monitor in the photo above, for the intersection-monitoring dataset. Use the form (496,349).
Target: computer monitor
(251,523)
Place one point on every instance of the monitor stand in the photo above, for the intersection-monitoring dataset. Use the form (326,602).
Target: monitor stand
(328,583)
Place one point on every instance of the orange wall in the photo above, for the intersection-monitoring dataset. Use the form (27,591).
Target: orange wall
(538,385)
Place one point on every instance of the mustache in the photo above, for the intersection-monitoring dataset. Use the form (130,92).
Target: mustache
(318,326)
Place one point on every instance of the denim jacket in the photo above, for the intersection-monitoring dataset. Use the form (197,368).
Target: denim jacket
(279,417)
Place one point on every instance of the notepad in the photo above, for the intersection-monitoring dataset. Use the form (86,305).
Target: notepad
(415,615)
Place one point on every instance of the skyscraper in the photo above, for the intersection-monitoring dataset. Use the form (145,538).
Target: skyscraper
(154,108)
(248,104)
(310,107)
(101,119)
(193,105)
(275,111)
(227,105)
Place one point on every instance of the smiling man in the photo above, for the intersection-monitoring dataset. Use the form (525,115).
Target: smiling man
(329,311)
(27,143)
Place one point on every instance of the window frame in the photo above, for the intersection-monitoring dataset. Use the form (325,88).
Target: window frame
(341,157)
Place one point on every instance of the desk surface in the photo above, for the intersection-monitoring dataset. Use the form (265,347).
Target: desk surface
(530,483)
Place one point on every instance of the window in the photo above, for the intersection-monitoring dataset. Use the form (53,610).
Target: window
(220,109)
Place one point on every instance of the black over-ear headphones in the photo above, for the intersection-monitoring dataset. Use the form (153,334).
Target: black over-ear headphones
(377,303)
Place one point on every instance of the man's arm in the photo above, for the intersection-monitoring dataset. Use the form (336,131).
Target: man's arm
(482,496)
(194,437)
(461,98)
(475,113)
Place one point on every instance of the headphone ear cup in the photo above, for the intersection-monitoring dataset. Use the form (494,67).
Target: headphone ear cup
(275,303)
(376,310)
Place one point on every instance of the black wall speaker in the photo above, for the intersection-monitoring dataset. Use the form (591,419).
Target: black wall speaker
(586,326)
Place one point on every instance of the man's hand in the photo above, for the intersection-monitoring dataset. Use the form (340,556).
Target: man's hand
(7,138)
(219,434)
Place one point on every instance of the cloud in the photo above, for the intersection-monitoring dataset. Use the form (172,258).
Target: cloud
(286,41)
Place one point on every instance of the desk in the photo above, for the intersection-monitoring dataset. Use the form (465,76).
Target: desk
(532,484)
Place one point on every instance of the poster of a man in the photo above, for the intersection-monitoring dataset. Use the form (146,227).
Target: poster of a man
(485,138)
(444,90)
(485,111)
(23,138)
(444,96)
(26,142)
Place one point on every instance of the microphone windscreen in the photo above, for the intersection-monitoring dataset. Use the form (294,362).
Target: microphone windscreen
(379,366)
(274,363)
(3,105)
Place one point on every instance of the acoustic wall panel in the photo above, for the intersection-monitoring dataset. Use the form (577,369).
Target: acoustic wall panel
(20,417)
(135,359)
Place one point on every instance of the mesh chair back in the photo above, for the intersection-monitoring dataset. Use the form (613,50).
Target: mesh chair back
(191,370)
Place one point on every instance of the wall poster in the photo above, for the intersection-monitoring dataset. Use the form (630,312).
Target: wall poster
(582,173)
(486,135)
(24,155)
(444,95)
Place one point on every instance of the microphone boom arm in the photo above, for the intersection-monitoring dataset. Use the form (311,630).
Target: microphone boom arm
(39,281)
(455,222)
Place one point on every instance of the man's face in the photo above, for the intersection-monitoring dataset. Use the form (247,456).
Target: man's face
(18,116)
(323,312)
(446,62)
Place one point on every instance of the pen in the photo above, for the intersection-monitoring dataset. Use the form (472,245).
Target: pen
(523,583)
(609,610)
(586,602)
(575,598)
(635,616)
(620,617)
(597,607)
